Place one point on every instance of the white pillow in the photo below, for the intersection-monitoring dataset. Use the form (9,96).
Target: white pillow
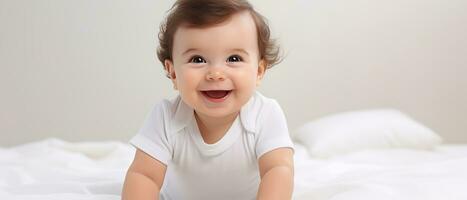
(361,130)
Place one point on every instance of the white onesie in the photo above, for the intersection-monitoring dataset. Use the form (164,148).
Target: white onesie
(227,169)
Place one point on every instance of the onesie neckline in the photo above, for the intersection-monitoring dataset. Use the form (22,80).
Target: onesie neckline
(222,144)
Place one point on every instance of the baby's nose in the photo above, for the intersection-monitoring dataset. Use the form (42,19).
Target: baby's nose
(215,76)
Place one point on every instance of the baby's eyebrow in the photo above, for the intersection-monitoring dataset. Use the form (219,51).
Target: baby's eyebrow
(230,50)
(241,50)
(189,50)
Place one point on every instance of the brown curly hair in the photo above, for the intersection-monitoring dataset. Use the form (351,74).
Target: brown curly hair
(203,13)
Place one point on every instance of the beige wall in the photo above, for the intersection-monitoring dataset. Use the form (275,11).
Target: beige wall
(86,70)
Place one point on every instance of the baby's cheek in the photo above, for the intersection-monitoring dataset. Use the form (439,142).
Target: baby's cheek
(188,79)
(245,89)
(246,79)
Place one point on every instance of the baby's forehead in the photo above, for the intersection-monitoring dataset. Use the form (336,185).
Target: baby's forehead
(237,31)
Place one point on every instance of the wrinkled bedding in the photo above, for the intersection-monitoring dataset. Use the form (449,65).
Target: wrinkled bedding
(55,169)
(402,174)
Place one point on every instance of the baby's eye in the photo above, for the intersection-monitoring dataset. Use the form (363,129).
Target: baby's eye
(197,59)
(234,58)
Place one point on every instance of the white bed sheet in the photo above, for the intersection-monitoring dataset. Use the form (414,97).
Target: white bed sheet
(402,174)
(54,169)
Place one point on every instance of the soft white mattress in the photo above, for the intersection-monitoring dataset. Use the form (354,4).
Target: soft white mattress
(55,169)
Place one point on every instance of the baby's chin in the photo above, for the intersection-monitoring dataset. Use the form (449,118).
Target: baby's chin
(217,113)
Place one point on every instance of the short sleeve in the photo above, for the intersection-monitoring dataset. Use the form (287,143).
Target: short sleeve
(152,137)
(273,132)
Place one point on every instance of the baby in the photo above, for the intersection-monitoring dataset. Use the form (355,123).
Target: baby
(219,138)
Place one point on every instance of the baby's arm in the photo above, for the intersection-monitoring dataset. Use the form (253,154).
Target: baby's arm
(144,178)
(277,172)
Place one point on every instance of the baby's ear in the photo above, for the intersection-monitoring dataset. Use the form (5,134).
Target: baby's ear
(261,71)
(169,68)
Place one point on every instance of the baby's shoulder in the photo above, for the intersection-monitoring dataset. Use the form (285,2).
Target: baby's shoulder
(256,111)
(260,104)
(174,113)
(165,108)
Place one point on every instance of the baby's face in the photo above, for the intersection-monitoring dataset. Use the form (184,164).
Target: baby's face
(216,69)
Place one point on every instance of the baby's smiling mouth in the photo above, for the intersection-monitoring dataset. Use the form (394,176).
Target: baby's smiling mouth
(216,94)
